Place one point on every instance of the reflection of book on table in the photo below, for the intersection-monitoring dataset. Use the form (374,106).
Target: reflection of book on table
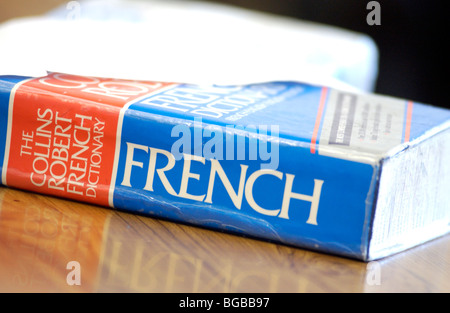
(358,175)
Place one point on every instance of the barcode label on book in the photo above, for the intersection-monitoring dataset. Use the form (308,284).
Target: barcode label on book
(362,123)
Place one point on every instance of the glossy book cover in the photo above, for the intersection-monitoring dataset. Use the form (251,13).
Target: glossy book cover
(287,162)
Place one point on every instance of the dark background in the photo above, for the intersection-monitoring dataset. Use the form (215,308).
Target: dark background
(412,40)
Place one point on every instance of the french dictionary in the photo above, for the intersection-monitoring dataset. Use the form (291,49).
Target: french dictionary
(353,174)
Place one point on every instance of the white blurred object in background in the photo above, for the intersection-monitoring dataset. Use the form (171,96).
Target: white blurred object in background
(185,41)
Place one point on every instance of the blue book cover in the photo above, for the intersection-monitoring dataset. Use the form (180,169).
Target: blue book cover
(352,174)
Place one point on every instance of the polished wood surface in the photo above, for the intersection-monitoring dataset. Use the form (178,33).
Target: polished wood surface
(10,9)
(122,252)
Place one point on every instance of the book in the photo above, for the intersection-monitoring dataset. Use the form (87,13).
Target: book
(358,175)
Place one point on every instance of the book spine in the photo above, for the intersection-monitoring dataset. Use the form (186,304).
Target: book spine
(91,140)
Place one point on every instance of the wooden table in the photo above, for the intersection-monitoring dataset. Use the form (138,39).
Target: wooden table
(119,252)
(122,252)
